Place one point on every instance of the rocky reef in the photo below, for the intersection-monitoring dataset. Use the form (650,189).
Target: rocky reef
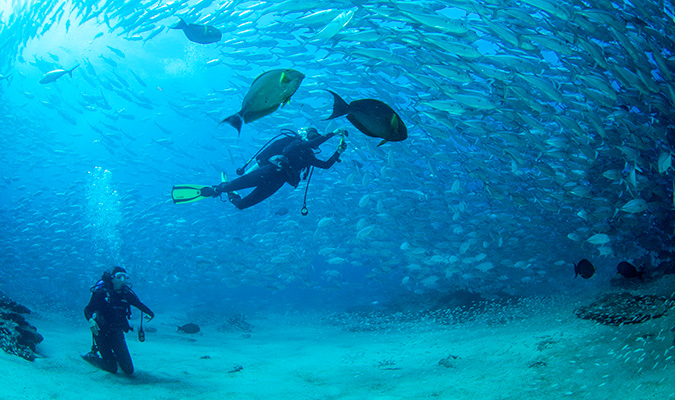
(625,308)
(16,335)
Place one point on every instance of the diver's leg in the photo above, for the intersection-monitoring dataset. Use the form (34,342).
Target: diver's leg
(107,361)
(122,353)
(260,193)
(249,180)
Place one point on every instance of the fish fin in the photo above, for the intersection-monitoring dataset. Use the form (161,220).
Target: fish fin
(284,79)
(179,25)
(223,177)
(394,123)
(340,107)
(382,142)
(236,121)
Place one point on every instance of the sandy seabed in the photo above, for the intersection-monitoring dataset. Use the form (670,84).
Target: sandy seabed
(536,354)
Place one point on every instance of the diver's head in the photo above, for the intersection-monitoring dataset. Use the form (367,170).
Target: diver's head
(120,278)
(309,133)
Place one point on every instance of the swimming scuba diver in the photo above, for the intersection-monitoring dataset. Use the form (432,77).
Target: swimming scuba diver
(283,161)
(108,312)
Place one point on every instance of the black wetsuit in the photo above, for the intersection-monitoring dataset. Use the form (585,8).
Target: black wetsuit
(269,177)
(113,309)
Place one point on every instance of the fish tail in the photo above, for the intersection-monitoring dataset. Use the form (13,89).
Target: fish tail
(179,25)
(340,107)
(72,69)
(235,120)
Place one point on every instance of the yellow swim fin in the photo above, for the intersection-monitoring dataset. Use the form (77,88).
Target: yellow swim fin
(188,193)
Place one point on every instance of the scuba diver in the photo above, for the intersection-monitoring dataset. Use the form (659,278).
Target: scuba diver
(282,161)
(108,312)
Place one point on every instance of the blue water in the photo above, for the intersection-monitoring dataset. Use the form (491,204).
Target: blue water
(493,200)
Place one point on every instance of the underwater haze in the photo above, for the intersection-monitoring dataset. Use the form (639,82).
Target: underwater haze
(539,133)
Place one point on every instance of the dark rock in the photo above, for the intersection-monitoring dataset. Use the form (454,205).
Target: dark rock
(624,308)
(236,323)
(447,361)
(235,368)
(537,364)
(17,336)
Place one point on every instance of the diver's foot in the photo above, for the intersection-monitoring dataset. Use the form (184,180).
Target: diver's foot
(209,192)
(219,189)
(91,358)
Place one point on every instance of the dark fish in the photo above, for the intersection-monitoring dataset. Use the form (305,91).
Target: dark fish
(628,270)
(372,117)
(268,91)
(189,328)
(203,34)
(584,268)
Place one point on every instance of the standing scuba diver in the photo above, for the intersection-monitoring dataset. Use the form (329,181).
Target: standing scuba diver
(283,161)
(108,312)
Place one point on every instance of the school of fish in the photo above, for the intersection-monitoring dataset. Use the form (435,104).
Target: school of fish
(539,133)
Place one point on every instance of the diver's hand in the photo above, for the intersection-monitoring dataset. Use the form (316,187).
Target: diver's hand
(342,146)
(340,132)
(149,317)
(93,326)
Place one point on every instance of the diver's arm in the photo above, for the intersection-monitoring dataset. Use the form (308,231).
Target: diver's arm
(94,304)
(335,157)
(134,301)
(314,143)
(90,311)
(328,163)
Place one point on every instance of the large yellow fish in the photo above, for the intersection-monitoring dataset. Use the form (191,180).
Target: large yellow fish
(267,92)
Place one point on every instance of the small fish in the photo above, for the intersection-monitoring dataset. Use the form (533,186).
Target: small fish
(110,61)
(372,117)
(203,34)
(635,206)
(118,52)
(51,76)
(189,328)
(599,239)
(268,91)
(628,270)
(584,268)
